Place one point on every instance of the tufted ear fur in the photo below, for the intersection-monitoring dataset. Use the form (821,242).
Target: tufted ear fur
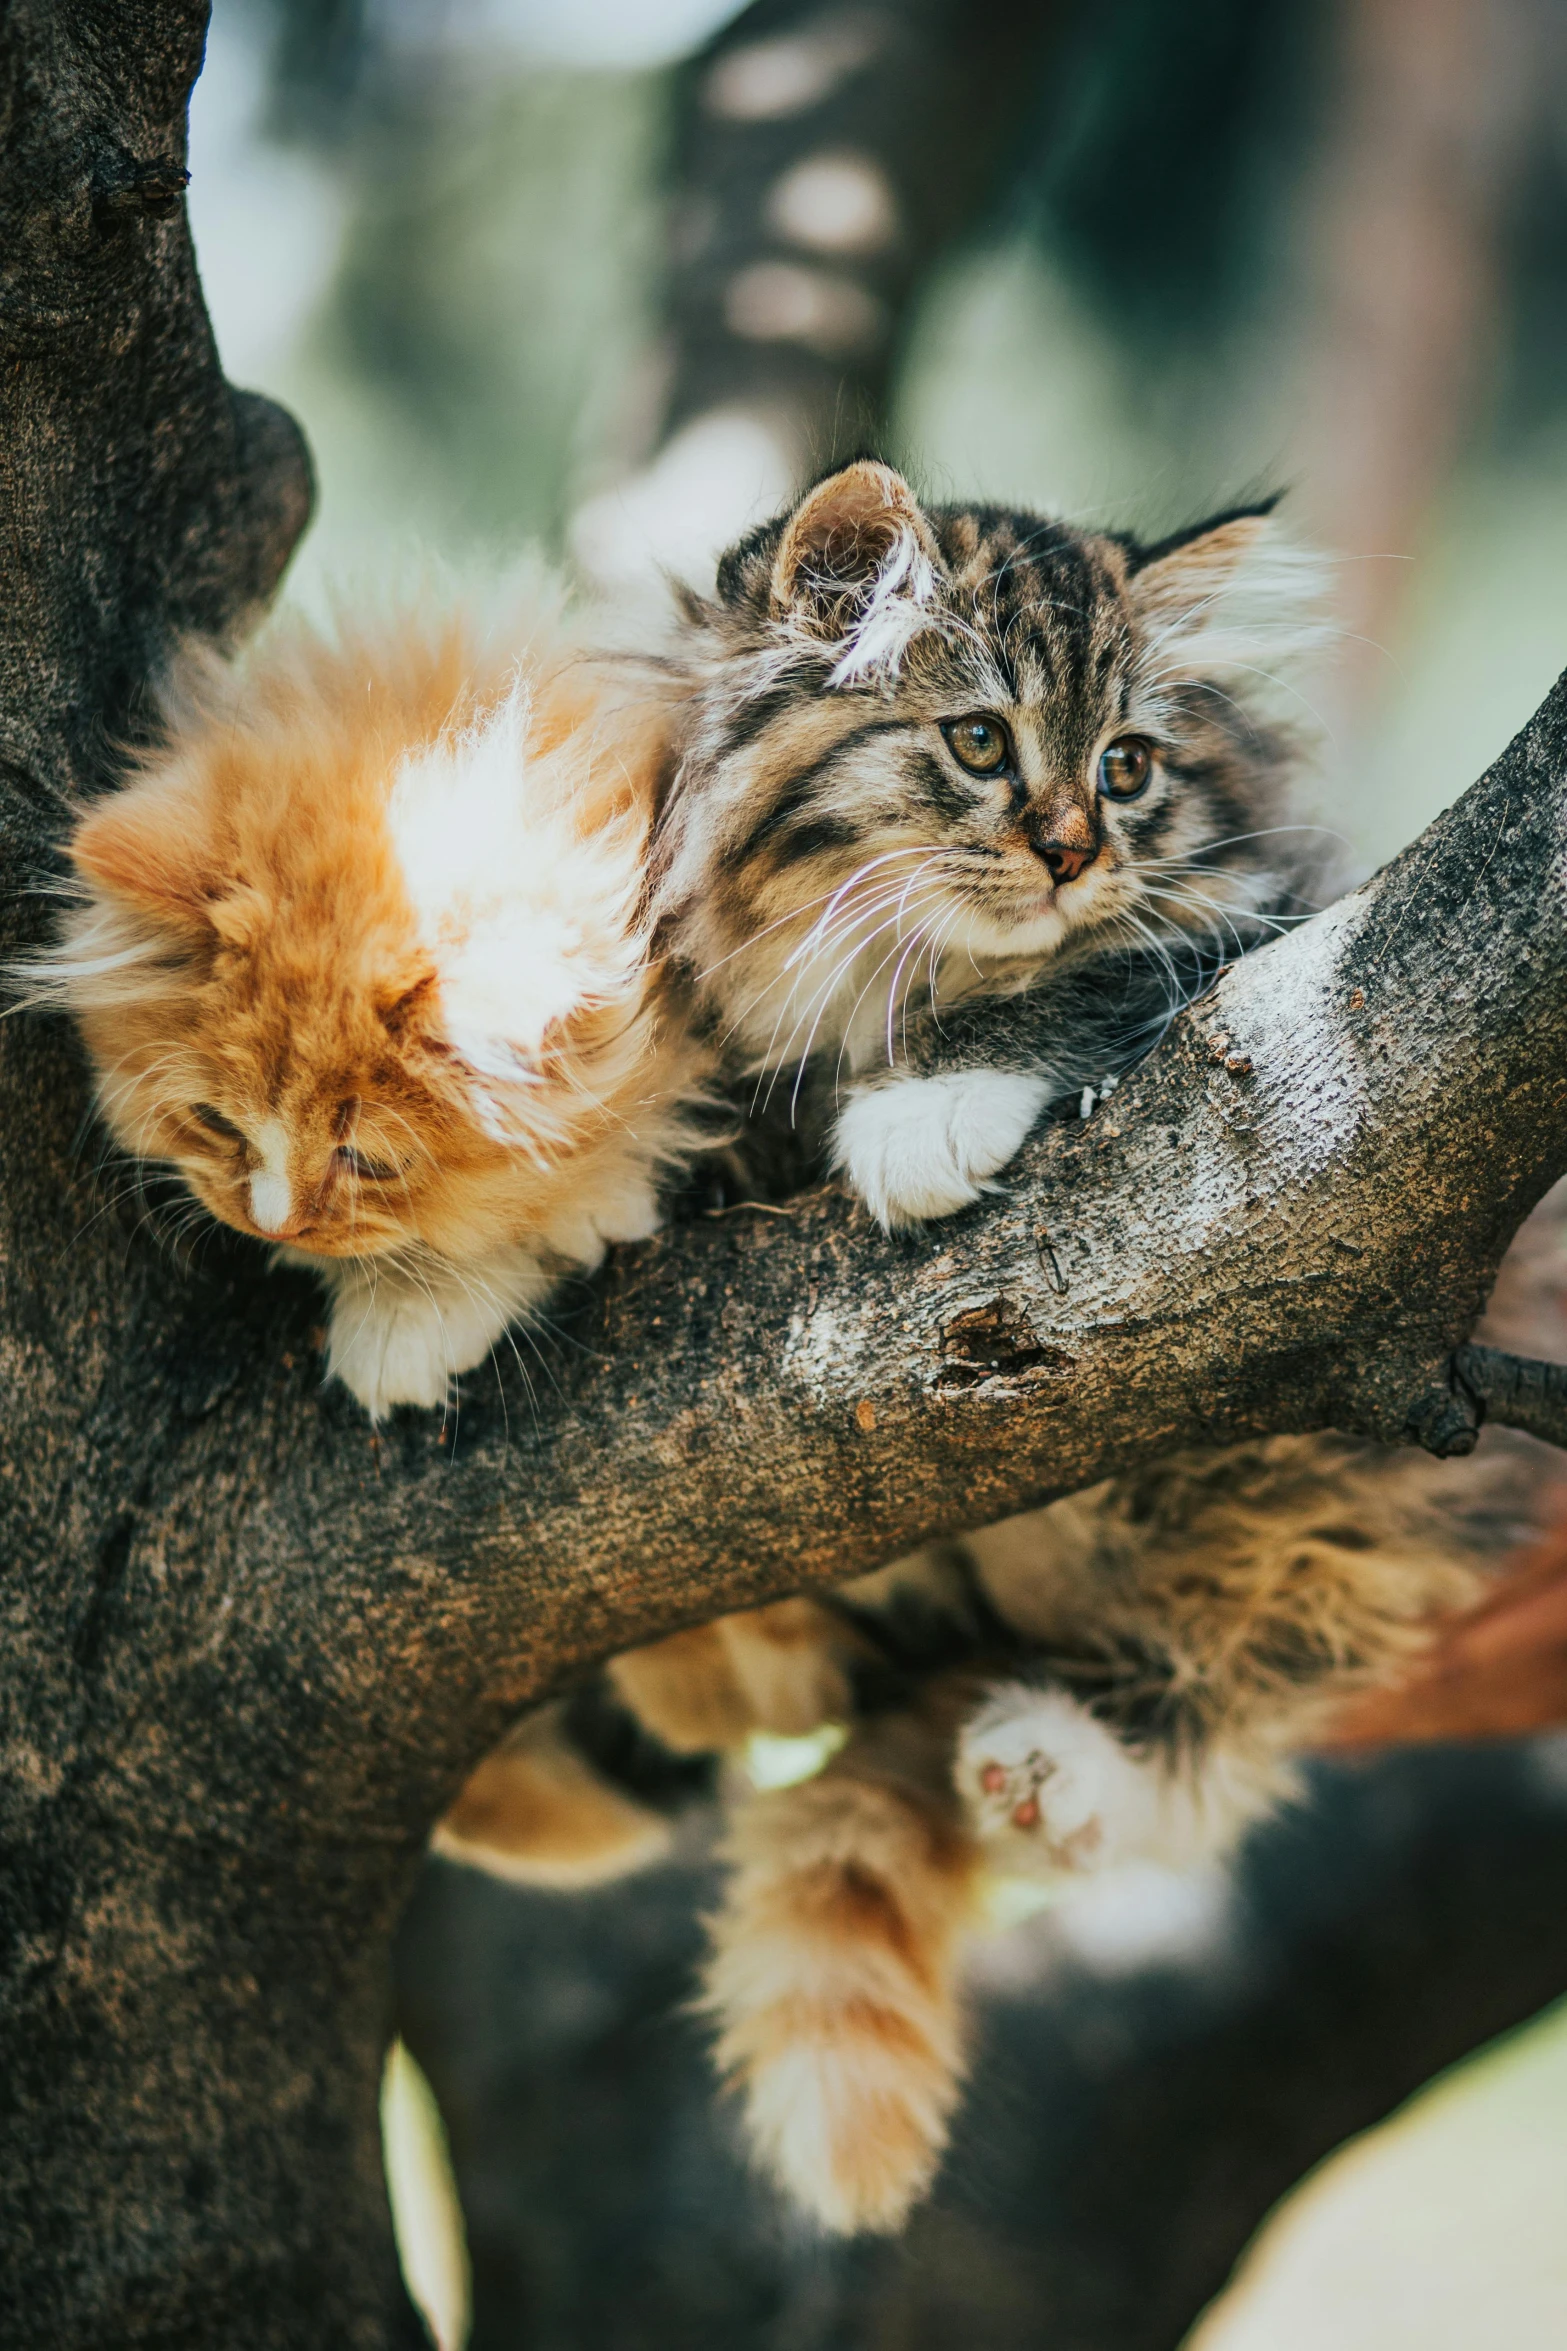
(857,566)
(842,532)
(151,847)
(1235,593)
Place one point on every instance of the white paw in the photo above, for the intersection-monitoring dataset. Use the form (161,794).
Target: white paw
(626,1210)
(392,1344)
(389,1349)
(630,1212)
(923,1147)
(1047,1786)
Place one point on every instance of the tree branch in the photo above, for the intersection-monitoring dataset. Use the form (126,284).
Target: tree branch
(1515,1391)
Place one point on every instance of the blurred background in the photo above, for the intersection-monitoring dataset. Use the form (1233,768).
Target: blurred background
(609,277)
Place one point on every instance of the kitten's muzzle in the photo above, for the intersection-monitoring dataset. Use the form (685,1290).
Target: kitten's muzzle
(290,1232)
(312,1241)
(1065,840)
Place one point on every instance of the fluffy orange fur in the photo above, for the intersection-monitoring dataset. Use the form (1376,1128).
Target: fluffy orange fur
(833,1975)
(359,951)
(711,1685)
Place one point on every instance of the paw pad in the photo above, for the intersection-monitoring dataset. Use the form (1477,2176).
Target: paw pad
(1014,1790)
(994,1779)
(1039,1772)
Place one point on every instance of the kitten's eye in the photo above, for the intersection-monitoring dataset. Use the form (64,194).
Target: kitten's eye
(982,745)
(1124,768)
(215,1122)
(356,1163)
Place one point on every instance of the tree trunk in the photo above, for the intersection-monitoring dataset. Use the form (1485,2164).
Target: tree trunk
(251,1651)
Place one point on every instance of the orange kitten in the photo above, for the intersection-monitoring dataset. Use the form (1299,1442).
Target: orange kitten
(1121,1677)
(360,953)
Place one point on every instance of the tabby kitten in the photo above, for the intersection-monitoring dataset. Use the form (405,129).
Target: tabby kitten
(946,753)
(360,953)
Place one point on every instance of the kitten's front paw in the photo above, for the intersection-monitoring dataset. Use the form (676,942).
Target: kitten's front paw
(1047,1786)
(389,1352)
(923,1147)
(624,1211)
(402,1347)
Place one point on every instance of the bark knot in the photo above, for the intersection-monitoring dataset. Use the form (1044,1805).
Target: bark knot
(126,185)
(994,1347)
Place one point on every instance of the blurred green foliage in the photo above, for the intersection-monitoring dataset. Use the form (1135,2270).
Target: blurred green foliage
(1124,339)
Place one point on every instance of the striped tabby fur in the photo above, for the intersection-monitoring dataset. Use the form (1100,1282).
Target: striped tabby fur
(828,867)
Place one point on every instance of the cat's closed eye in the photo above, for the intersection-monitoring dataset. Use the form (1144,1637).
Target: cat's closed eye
(215,1122)
(980,744)
(360,1164)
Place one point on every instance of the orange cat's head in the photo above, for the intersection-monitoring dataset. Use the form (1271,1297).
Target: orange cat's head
(359,950)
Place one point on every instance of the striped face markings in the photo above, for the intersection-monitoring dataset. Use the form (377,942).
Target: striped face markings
(317,1174)
(946,733)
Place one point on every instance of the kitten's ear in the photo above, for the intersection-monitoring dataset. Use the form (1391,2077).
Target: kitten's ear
(1182,571)
(857,564)
(1230,594)
(409,1005)
(841,534)
(150,845)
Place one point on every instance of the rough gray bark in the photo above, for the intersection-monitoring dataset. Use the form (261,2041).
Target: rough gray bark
(249,1652)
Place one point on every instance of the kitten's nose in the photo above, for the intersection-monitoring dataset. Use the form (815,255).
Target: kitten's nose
(1064,839)
(1063,860)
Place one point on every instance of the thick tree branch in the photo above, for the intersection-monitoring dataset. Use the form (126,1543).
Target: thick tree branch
(249,1651)
(1289,1219)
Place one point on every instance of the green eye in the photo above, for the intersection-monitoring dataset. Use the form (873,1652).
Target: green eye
(215,1122)
(982,745)
(1124,768)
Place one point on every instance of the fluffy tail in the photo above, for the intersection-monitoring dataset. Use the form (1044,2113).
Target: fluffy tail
(832,1980)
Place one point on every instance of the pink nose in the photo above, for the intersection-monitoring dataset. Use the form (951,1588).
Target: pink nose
(1064,860)
(1064,838)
